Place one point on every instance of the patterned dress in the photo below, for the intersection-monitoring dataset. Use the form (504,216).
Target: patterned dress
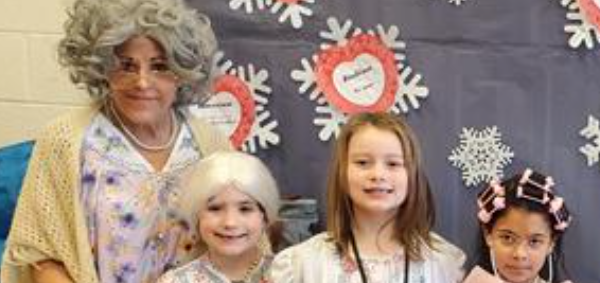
(134,228)
(202,271)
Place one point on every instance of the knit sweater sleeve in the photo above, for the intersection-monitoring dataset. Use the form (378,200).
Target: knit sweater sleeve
(48,221)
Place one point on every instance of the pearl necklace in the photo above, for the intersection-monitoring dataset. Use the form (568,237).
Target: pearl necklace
(138,142)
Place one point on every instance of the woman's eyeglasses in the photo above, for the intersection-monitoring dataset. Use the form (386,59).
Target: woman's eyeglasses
(129,73)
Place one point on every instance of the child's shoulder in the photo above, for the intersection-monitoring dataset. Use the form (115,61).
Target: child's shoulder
(320,244)
(311,258)
(444,260)
(443,250)
(321,241)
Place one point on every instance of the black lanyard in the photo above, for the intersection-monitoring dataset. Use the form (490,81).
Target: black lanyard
(361,268)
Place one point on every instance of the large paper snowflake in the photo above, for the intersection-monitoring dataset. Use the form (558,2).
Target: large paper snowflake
(481,155)
(291,11)
(581,31)
(409,93)
(592,133)
(263,132)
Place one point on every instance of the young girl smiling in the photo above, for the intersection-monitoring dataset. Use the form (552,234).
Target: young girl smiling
(379,215)
(235,199)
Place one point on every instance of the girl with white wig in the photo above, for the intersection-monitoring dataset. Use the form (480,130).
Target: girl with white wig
(99,199)
(232,200)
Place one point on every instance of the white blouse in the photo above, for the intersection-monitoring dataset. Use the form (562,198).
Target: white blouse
(318,261)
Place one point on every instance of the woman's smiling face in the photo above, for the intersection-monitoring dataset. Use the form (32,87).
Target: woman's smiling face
(143,88)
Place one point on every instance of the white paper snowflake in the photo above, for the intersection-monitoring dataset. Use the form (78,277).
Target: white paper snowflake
(592,133)
(331,120)
(457,2)
(581,32)
(410,89)
(290,11)
(248,5)
(263,132)
(481,155)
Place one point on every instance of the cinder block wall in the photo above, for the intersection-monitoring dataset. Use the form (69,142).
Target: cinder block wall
(33,88)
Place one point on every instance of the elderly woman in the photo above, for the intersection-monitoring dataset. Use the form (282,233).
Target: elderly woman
(99,202)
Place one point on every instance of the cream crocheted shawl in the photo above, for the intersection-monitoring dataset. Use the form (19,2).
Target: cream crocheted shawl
(49,220)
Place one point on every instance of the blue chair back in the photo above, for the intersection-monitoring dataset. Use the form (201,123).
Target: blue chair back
(13,165)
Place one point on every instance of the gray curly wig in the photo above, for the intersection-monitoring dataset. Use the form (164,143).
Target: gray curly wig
(96,28)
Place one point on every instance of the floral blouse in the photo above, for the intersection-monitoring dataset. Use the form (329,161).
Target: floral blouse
(202,271)
(134,228)
(318,261)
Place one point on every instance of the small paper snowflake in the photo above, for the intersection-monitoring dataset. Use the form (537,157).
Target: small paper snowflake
(592,133)
(581,31)
(457,2)
(410,87)
(481,156)
(263,132)
(248,5)
(291,11)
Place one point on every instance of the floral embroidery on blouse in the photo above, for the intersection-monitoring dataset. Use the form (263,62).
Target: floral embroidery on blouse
(133,225)
(381,270)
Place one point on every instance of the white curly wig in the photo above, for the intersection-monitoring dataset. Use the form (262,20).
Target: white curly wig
(223,169)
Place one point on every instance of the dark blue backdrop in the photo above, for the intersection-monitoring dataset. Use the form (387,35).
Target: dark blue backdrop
(487,62)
